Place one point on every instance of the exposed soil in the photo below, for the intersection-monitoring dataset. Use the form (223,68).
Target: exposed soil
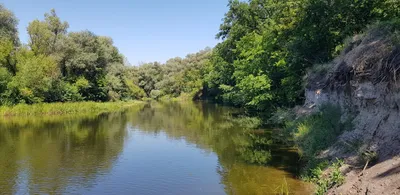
(364,82)
(382,178)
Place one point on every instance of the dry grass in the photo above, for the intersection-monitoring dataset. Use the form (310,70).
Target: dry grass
(373,56)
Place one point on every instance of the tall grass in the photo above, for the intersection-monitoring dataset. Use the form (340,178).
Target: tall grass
(318,131)
(313,134)
(64,108)
(283,189)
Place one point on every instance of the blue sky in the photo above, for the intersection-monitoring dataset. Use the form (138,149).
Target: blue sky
(143,30)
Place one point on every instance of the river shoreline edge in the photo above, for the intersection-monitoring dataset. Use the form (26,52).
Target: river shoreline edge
(68,108)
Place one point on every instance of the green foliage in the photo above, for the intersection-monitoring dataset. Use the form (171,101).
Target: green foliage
(257,150)
(255,89)
(81,83)
(62,91)
(266,49)
(313,134)
(5,78)
(8,25)
(45,35)
(7,57)
(34,77)
(156,94)
(59,66)
(95,59)
(254,156)
(149,75)
(40,37)
(325,176)
(318,131)
(177,77)
(278,41)
(64,108)
(133,90)
(6,48)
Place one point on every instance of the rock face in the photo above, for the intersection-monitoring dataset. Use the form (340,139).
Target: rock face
(365,82)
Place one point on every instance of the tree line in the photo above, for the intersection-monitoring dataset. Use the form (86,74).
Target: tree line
(266,48)
(60,66)
(269,45)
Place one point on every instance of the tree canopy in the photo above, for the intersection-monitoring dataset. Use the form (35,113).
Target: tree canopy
(266,48)
(269,45)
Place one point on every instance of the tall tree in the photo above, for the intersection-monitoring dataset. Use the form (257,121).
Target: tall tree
(89,56)
(8,39)
(8,25)
(44,35)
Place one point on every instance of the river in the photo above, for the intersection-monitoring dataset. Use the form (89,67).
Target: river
(157,148)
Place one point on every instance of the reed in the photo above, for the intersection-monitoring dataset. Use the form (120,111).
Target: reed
(64,108)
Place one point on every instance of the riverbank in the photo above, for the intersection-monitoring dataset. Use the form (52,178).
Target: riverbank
(69,108)
(351,113)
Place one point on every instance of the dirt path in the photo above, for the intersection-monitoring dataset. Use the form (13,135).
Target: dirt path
(382,178)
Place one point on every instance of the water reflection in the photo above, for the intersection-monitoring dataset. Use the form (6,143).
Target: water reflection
(161,148)
(42,156)
(242,150)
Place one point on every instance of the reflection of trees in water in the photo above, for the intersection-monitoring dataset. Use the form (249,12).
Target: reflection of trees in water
(201,124)
(213,128)
(53,152)
(59,154)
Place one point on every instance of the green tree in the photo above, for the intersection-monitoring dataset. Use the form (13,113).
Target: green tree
(149,75)
(8,39)
(44,35)
(7,58)
(34,77)
(90,56)
(8,25)
(278,41)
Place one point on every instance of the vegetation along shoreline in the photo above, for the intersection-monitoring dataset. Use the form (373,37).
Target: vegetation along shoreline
(324,71)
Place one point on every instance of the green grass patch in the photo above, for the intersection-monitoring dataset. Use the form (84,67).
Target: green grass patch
(325,176)
(313,134)
(64,108)
(318,131)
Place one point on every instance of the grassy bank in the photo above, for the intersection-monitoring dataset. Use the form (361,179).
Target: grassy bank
(313,133)
(64,108)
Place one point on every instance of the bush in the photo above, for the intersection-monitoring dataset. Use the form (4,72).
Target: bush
(35,76)
(133,91)
(62,91)
(156,94)
(5,78)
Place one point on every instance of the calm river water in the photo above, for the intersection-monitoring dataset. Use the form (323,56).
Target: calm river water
(159,148)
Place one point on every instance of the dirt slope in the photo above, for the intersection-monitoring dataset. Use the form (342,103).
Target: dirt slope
(365,82)
(382,178)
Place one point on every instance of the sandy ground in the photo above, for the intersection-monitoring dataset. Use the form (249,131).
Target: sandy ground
(382,178)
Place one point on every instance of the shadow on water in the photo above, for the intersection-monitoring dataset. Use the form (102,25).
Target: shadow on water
(55,155)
